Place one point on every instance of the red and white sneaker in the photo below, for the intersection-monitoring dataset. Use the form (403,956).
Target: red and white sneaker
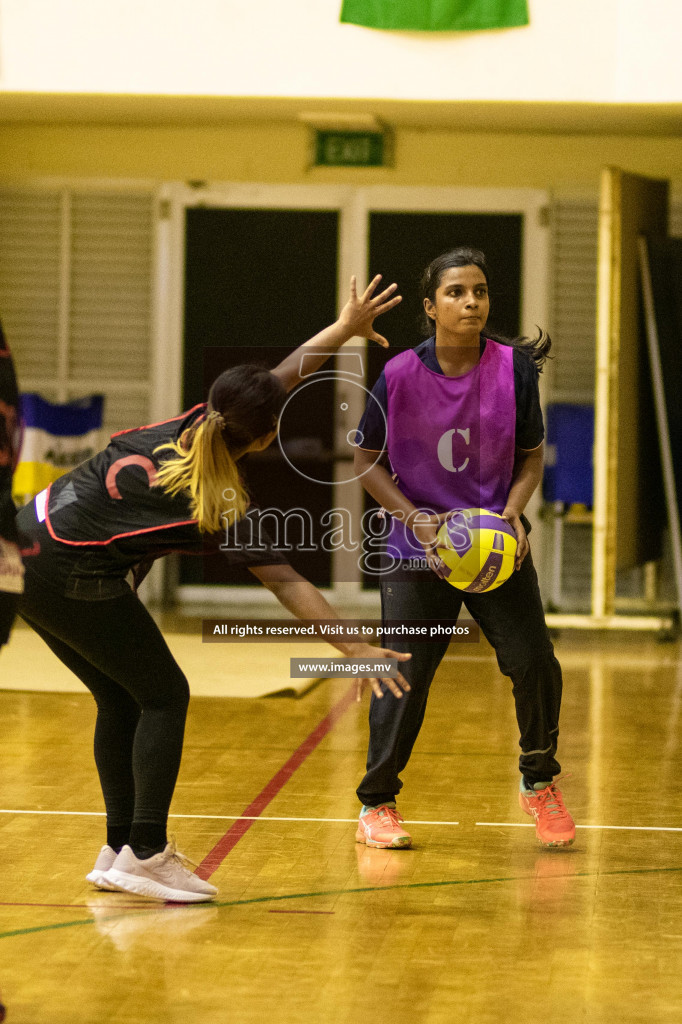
(554,826)
(380,827)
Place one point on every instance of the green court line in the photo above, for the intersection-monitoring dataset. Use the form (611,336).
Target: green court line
(346,892)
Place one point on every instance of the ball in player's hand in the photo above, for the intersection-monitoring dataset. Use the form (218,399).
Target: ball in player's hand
(478,548)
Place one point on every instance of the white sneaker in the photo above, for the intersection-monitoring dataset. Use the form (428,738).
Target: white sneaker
(161,877)
(105,860)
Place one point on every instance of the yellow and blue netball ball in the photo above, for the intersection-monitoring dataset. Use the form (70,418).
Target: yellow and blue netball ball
(478,549)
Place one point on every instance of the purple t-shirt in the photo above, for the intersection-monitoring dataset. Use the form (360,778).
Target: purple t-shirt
(450,440)
(530,430)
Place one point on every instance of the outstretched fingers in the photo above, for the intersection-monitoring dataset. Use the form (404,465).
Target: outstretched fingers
(397,686)
(369,290)
(384,300)
(375,684)
(385,306)
(362,682)
(387,300)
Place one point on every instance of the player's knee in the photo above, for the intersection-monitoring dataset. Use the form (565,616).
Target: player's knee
(172,694)
(528,661)
(181,693)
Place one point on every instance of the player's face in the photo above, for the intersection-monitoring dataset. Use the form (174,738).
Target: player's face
(461,303)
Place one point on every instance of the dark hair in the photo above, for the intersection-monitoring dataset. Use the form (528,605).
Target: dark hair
(243,405)
(536,348)
(250,399)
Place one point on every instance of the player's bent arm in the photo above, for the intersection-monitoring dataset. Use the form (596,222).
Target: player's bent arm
(311,355)
(378,482)
(527,475)
(355,320)
(295,593)
(299,596)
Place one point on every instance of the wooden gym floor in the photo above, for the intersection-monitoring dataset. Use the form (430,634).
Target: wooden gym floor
(475,924)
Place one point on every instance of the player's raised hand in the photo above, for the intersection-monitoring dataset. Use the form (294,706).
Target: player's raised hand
(360,311)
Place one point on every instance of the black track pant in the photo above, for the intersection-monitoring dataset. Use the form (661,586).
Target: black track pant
(513,621)
(116,649)
(8,609)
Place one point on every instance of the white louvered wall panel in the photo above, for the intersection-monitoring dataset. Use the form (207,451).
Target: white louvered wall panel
(574,294)
(125,409)
(30,224)
(108,236)
(111,270)
(573,303)
(574,299)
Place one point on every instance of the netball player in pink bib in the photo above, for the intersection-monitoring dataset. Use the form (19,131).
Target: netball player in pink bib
(458,419)
(170,486)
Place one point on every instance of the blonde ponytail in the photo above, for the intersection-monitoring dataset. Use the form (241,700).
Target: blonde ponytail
(206,471)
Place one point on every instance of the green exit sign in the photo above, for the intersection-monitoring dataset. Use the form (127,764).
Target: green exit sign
(349,149)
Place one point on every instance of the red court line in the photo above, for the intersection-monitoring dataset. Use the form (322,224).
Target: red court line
(214,859)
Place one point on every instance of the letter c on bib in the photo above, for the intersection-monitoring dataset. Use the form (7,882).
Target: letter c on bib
(444,450)
(130,460)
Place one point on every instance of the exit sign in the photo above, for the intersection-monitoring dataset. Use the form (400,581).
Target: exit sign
(349,149)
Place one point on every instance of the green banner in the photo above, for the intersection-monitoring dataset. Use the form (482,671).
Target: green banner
(436,15)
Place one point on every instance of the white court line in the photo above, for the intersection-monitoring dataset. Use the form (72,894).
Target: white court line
(352,821)
(223,817)
(212,817)
(616,828)
(81,814)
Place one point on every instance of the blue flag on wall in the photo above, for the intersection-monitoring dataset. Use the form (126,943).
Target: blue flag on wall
(56,438)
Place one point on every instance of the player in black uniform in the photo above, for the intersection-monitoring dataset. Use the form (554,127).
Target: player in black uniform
(166,487)
(11,569)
